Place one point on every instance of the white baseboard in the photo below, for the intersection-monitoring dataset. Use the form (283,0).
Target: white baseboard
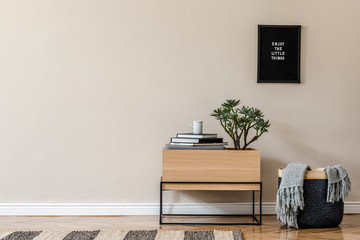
(51,209)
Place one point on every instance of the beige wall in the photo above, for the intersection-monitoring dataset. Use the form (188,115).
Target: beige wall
(90,91)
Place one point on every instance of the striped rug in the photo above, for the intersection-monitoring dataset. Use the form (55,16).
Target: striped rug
(121,235)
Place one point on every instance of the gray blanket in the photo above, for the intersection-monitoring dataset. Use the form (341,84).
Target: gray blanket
(339,184)
(289,199)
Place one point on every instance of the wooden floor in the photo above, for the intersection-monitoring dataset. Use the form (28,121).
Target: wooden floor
(271,229)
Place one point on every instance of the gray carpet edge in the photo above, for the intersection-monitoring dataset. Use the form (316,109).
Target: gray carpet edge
(130,234)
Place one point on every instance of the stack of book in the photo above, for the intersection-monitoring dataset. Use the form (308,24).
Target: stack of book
(205,141)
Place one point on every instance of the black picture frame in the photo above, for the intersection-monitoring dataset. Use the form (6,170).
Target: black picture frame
(279,53)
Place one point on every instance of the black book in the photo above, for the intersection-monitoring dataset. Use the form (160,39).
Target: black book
(196,140)
(199,144)
(200,136)
(182,147)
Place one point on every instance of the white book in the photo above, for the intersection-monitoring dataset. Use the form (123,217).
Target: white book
(191,135)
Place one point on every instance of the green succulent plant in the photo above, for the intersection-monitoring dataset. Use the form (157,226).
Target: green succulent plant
(240,122)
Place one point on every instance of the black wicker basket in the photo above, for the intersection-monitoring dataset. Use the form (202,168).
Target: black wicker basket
(318,213)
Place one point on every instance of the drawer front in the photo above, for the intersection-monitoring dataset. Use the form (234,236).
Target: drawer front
(211,166)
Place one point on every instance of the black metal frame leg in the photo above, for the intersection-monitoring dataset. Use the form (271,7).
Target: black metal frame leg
(257,221)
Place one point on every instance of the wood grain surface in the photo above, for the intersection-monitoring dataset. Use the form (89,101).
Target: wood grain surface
(211,166)
(270,230)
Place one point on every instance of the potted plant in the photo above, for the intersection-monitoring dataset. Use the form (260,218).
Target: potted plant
(219,165)
(239,122)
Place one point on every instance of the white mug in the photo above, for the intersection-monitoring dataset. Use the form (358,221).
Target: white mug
(197,127)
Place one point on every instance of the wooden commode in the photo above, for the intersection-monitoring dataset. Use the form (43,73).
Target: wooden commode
(218,170)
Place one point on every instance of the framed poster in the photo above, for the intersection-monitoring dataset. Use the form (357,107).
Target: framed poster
(279,53)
